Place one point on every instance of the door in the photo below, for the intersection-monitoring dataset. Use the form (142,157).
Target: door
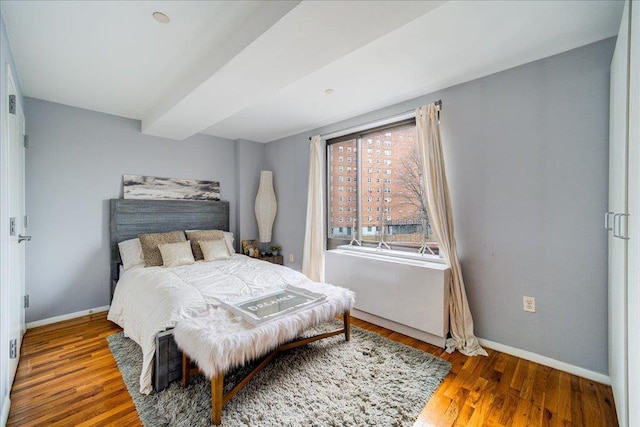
(616,221)
(633,278)
(17,229)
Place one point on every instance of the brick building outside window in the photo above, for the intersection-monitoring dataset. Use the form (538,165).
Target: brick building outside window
(392,189)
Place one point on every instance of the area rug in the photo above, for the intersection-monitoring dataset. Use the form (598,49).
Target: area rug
(370,380)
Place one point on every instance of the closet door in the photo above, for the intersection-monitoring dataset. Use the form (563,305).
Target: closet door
(633,276)
(614,220)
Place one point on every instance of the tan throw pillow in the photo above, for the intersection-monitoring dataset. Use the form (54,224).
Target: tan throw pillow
(200,236)
(214,250)
(175,254)
(151,241)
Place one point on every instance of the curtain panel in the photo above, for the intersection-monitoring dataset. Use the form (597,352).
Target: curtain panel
(438,202)
(313,251)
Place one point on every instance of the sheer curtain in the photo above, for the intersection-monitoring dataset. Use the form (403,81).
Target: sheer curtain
(441,217)
(313,251)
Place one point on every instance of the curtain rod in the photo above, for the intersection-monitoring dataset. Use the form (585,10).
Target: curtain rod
(379,122)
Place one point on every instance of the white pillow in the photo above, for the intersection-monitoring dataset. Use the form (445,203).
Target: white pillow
(228,237)
(131,253)
(214,250)
(176,254)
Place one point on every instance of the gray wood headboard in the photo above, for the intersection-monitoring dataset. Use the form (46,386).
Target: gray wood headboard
(132,217)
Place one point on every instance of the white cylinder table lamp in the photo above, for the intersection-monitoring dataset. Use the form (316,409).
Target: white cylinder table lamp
(266,206)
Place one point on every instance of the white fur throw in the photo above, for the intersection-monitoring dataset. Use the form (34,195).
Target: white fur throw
(217,340)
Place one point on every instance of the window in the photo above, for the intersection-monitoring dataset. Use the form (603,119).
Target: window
(402,219)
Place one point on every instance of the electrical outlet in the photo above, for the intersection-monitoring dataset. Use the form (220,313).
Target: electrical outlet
(529,304)
(290,257)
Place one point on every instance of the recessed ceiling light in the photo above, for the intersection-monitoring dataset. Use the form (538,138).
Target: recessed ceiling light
(161,17)
(329,91)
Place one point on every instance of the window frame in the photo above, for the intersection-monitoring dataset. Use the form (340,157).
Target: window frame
(360,143)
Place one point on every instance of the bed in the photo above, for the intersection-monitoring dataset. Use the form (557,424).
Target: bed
(149,301)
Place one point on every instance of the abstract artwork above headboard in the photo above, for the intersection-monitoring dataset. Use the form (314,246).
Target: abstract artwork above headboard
(132,217)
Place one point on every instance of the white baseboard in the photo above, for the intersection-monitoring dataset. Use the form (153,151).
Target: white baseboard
(4,415)
(547,361)
(66,316)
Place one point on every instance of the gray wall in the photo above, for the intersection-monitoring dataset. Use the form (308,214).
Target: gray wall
(74,165)
(249,158)
(527,159)
(289,161)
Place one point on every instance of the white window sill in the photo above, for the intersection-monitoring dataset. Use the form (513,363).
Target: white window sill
(412,258)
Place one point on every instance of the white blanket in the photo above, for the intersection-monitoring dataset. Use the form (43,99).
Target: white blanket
(150,300)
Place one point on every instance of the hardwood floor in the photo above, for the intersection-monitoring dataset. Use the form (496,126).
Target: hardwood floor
(67,377)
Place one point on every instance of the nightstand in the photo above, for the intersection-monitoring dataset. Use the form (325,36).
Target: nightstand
(278,259)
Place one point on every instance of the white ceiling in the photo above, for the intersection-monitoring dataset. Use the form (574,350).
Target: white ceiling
(257,70)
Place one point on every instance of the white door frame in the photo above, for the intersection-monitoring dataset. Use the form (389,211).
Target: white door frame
(4,253)
(6,308)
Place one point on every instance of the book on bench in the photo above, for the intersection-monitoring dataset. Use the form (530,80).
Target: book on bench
(273,305)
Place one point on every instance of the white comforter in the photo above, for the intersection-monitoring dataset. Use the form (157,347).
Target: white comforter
(150,300)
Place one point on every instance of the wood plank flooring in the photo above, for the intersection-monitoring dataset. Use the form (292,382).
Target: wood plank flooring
(67,377)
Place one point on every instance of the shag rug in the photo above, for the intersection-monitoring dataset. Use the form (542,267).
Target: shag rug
(370,380)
